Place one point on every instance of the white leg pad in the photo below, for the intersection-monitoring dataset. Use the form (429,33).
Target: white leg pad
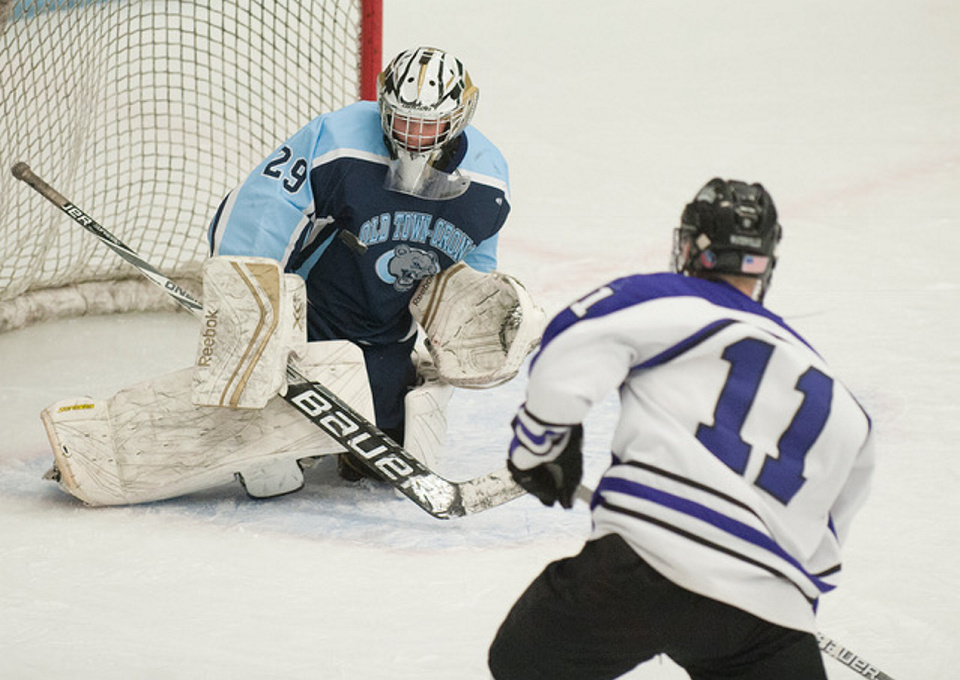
(425,422)
(149,442)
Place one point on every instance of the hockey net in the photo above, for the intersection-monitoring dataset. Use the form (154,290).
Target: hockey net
(145,114)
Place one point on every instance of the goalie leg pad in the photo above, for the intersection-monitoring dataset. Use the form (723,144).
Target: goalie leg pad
(254,319)
(425,419)
(479,327)
(149,442)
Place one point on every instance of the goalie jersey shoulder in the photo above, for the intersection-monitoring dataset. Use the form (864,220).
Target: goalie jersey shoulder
(335,166)
(355,132)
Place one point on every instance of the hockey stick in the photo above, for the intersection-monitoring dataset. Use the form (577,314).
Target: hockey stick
(827,646)
(849,659)
(381,455)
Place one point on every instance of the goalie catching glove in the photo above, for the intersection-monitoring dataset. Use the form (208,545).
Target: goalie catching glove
(254,318)
(479,327)
(546,459)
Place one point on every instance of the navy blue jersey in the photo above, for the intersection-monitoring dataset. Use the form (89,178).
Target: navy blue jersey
(329,178)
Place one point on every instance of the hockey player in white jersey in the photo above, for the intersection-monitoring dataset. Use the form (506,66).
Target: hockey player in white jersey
(738,462)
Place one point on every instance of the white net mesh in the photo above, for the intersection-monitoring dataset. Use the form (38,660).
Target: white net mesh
(145,114)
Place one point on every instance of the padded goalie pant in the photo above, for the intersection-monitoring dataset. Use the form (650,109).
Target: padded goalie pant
(601,613)
(390,370)
(392,374)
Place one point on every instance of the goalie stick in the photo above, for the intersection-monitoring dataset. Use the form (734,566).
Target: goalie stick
(385,458)
(827,646)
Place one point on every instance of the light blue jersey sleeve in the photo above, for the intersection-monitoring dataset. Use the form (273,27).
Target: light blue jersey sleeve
(485,164)
(483,258)
(266,214)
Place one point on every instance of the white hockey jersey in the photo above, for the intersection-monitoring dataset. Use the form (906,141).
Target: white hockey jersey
(738,458)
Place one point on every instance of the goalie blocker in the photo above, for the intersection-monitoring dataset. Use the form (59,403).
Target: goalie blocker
(254,319)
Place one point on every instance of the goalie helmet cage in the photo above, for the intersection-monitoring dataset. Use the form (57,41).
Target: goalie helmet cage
(148,113)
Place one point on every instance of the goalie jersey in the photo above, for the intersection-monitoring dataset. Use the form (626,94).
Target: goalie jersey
(319,200)
(738,459)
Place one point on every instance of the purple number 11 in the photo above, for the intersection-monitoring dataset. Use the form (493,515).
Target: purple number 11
(780,476)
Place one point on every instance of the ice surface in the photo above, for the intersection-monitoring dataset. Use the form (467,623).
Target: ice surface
(611,114)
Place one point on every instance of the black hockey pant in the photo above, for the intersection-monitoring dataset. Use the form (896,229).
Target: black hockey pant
(601,613)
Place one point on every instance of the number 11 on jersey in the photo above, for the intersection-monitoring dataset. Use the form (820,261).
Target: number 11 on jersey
(781,476)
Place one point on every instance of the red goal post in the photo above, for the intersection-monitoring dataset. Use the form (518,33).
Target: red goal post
(147,112)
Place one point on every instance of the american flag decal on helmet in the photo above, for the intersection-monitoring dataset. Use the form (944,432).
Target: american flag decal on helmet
(754,264)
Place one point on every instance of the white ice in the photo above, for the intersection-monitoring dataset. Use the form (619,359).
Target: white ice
(612,114)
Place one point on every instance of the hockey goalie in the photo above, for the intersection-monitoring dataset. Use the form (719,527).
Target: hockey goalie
(222,419)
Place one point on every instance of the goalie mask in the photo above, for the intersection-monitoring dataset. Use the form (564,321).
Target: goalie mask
(426,101)
(730,228)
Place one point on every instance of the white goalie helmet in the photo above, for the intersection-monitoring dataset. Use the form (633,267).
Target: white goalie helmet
(426,100)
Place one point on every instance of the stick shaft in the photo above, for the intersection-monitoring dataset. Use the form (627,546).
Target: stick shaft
(23,172)
(852,661)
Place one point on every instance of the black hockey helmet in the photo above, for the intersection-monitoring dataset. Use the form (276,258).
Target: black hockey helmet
(729,228)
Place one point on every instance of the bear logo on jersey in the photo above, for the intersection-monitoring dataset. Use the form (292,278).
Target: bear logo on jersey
(404,267)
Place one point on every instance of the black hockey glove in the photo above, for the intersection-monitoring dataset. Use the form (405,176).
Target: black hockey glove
(558,479)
